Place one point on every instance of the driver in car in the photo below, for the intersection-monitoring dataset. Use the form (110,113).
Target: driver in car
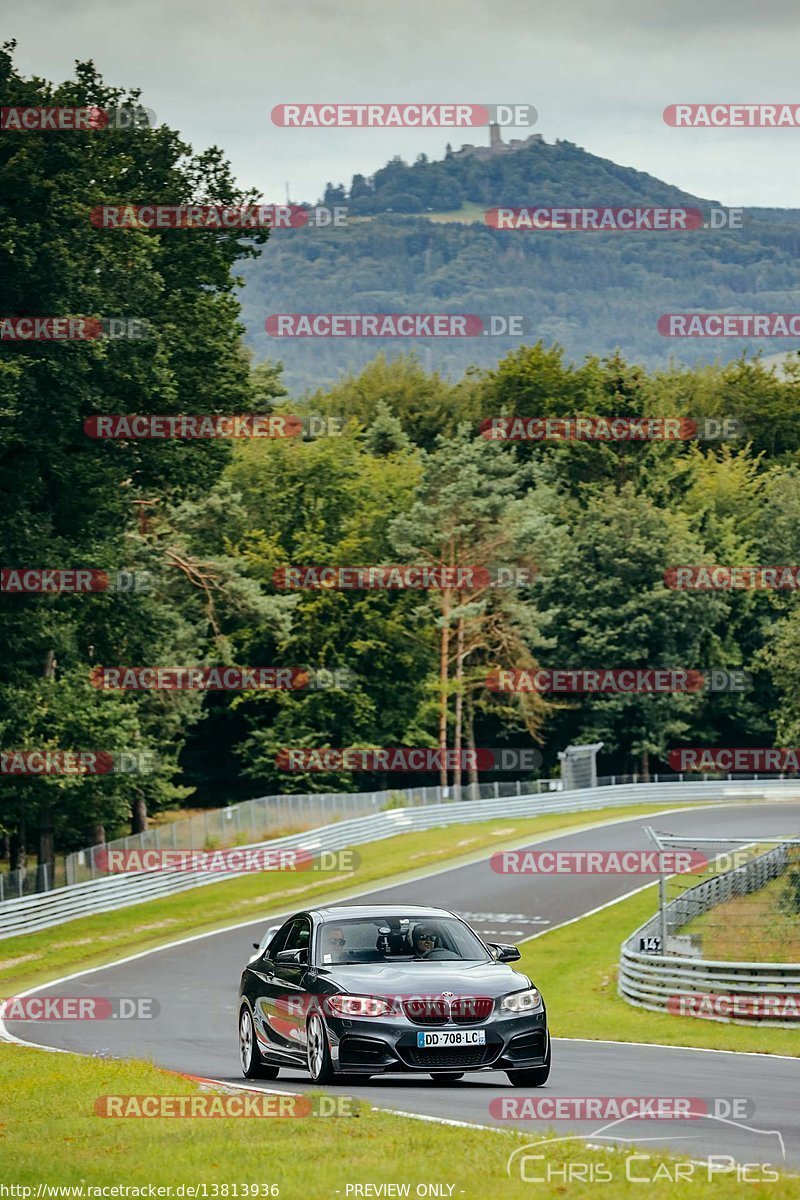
(423,940)
(335,944)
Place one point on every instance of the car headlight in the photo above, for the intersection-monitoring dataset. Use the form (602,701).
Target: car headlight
(358,1006)
(522,1001)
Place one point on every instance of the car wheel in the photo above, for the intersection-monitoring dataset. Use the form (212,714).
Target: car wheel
(445,1077)
(253,1066)
(531,1076)
(320,1067)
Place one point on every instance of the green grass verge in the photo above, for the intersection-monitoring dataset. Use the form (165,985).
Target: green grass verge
(91,941)
(49,1134)
(49,1131)
(759,927)
(576,969)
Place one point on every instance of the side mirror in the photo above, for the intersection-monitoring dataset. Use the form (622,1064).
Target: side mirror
(288,958)
(504,952)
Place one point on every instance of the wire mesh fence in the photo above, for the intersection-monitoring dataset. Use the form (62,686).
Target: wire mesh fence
(275,816)
(268,817)
(41,877)
(737,900)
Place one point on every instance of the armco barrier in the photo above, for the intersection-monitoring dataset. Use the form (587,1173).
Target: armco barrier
(260,819)
(268,817)
(43,910)
(652,981)
(251,821)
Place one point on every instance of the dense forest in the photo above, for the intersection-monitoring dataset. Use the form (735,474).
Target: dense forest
(408,479)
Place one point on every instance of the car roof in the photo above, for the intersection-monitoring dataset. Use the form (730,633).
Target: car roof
(379,910)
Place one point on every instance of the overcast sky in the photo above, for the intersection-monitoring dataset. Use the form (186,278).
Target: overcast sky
(599,74)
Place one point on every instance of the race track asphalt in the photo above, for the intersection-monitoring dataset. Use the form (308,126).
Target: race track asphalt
(195,984)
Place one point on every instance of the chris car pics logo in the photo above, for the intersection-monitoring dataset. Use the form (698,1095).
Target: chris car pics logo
(621,1157)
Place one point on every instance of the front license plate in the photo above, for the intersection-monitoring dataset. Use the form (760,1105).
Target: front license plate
(456,1037)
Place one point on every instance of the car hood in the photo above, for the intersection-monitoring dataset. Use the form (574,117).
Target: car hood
(424,979)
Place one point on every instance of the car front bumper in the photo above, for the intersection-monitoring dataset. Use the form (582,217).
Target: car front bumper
(371,1046)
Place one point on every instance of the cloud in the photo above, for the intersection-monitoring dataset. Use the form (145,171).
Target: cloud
(600,75)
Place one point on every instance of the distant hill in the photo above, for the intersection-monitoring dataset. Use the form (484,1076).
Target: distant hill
(418,244)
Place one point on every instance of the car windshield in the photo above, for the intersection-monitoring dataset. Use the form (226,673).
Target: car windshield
(395,938)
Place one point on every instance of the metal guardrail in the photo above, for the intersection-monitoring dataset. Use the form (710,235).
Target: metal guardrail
(658,982)
(30,913)
(249,821)
(271,816)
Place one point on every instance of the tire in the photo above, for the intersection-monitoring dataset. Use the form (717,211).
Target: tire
(318,1053)
(252,1064)
(531,1076)
(445,1077)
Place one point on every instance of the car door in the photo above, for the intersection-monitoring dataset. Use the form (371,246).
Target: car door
(291,982)
(268,996)
(280,999)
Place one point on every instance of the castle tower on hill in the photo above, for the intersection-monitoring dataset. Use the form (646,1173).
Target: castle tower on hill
(497,145)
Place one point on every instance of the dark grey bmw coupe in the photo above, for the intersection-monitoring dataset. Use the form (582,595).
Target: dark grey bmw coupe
(360,990)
